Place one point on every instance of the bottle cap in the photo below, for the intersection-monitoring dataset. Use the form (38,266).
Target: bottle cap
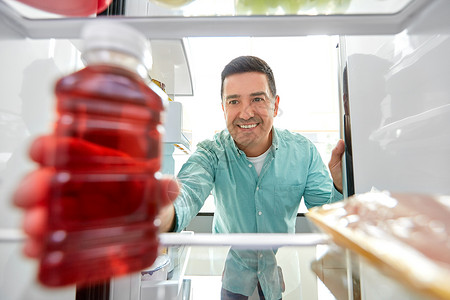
(112,35)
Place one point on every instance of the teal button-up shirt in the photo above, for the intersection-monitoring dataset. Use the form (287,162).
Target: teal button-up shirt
(248,203)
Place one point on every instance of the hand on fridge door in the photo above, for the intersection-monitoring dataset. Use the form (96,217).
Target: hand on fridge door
(37,189)
(335,165)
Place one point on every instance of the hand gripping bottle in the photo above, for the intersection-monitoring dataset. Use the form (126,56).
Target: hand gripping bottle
(104,196)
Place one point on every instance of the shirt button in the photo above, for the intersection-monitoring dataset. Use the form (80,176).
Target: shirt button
(250,165)
(259,272)
(260,256)
(257,188)
(260,213)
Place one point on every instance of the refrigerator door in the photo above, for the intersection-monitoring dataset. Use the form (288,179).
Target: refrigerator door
(399,105)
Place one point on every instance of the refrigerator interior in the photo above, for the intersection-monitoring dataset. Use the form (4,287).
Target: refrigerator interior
(395,95)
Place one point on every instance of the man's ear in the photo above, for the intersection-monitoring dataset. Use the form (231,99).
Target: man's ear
(275,110)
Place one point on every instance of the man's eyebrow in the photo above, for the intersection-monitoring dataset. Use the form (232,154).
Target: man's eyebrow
(232,96)
(259,94)
(237,96)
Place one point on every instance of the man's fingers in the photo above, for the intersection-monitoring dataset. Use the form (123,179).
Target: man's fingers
(34,188)
(41,147)
(33,247)
(52,150)
(335,164)
(336,154)
(35,221)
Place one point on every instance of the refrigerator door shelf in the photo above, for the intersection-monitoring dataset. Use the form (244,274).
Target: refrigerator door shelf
(275,25)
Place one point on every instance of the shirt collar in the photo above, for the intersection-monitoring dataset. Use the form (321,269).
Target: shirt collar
(275,138)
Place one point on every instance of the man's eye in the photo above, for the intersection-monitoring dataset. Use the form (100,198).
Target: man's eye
(258,99)
(232,102)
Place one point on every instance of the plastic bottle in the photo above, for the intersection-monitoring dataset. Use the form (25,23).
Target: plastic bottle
(104,196)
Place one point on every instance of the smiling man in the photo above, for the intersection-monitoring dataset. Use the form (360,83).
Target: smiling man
(258,175)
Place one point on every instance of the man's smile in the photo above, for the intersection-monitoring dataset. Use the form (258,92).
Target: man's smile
(247,126)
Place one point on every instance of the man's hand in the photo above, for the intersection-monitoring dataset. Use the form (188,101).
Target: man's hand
(33,191)
(335,165)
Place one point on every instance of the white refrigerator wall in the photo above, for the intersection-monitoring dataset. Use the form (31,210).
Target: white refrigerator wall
(399,96)
(29,69)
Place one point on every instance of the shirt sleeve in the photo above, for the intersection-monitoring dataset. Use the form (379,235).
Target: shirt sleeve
(319,187)
(197,179)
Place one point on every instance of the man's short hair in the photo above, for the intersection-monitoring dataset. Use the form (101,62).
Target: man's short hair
(243,64)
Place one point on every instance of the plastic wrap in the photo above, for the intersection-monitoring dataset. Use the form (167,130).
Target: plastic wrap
(405,236)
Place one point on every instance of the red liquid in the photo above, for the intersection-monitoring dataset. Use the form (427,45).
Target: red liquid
(104,196)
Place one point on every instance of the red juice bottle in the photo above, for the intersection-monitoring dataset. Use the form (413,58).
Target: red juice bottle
(104,197)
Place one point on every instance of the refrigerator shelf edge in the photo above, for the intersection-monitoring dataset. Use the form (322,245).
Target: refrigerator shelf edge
(244,240)
(179,27)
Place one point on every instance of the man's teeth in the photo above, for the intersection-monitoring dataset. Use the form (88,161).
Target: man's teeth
(248,126)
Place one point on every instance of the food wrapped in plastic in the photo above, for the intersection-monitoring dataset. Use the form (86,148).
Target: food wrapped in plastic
(407,236)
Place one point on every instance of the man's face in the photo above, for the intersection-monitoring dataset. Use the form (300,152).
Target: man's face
(249,109)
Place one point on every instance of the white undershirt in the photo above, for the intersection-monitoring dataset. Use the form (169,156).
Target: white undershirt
(258,161)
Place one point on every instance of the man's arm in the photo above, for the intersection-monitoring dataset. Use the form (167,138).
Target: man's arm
(195,182)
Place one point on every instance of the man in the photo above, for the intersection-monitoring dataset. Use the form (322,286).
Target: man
(257,173)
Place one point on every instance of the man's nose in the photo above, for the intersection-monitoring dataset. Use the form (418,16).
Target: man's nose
(247,112)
